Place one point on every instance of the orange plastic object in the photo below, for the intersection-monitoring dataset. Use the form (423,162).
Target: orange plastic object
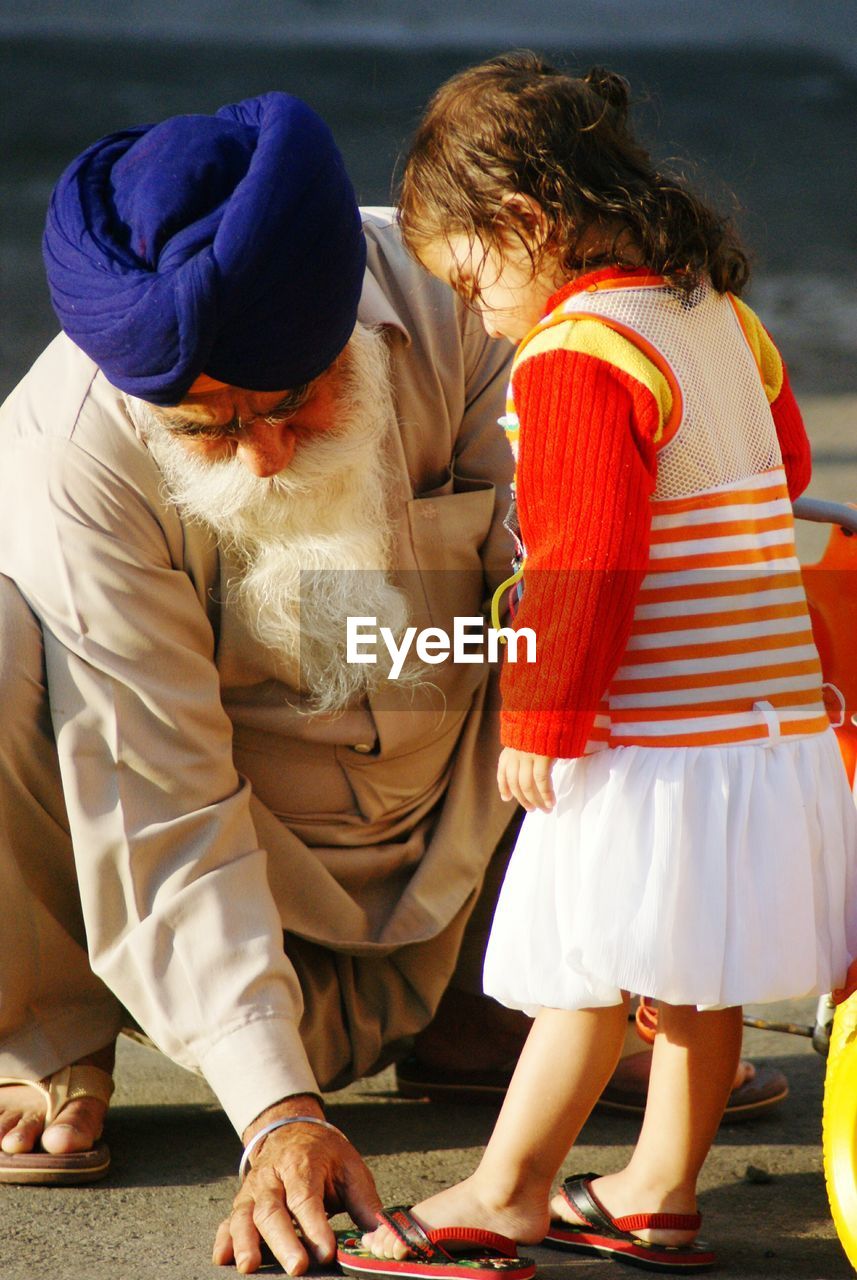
(831,589)
(646,1017)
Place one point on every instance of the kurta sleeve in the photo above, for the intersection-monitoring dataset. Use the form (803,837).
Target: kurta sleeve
(585,475)
(180,921)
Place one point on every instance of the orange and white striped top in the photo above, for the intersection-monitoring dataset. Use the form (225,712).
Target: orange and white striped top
(720,648)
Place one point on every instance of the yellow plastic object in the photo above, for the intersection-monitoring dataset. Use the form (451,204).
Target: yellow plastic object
(840,1126)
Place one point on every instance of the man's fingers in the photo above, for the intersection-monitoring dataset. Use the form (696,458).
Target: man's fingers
(302,1175)
(223,1252)
(273,1221)
(260,1214)
(246,1248)
(360,1195)
(316,1230)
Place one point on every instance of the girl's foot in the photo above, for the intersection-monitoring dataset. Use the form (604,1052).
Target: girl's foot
(620,1199)
(77,1127)
(464,1205)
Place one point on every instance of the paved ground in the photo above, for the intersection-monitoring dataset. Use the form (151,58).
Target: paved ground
(174,1157)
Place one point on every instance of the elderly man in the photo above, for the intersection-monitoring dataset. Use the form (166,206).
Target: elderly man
(261,420)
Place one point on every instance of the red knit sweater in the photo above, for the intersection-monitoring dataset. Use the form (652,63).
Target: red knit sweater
(586,469)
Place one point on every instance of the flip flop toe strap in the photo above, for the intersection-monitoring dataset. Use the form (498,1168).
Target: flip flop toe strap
(576,1193)
(403,1224)
(81,1080)
(77,1081)
(41,1086)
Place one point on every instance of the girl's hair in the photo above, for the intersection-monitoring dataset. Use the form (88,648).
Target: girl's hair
(515,124)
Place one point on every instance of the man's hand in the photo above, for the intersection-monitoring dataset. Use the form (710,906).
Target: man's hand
(526,777)
(300,1174)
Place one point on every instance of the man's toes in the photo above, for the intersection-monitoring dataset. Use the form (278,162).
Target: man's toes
(744,1073)
(23,1135)
(77,1127)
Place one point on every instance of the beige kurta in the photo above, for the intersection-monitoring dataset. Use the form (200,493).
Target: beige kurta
(207,812)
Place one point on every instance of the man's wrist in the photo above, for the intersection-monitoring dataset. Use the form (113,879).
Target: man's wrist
(298,1104)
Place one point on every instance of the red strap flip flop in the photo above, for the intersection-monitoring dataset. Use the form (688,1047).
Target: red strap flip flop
(477,1252)
(614,1238)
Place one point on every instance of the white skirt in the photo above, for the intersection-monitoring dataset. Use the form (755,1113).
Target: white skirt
(708,876)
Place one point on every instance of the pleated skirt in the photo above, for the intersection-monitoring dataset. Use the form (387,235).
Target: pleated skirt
(707,876)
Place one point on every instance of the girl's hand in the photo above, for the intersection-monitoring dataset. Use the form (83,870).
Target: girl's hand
(526,777)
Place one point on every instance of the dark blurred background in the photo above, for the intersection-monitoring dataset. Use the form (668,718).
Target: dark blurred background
(757,101)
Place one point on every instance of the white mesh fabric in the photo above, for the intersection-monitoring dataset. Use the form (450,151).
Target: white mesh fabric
(726,432)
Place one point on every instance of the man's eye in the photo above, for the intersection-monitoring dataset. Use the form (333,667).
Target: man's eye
(289,405)
(201,431)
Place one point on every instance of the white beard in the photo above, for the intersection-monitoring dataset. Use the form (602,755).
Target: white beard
(313,544)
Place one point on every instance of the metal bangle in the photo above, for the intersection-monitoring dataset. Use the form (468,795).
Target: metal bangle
(279,1124)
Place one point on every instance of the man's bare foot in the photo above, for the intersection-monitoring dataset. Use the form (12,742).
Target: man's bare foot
(77,1127)
(614,1193)
(465,1206)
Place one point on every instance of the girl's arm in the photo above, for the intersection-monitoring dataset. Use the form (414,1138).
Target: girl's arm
(586,471)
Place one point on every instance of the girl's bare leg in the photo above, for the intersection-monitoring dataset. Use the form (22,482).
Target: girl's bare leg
(693,1071)
(566,1061)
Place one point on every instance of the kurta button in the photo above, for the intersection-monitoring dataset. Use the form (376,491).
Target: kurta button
(363,747)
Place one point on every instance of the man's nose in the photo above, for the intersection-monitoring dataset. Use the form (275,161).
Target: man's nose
(265,448)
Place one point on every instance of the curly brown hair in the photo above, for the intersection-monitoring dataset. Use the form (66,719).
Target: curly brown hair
(515,124)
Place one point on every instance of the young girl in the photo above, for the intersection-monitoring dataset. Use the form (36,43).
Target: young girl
(690,832)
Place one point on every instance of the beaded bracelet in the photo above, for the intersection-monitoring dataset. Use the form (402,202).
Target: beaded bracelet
(279,1124)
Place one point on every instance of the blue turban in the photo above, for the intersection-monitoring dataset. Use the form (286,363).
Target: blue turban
(228,245)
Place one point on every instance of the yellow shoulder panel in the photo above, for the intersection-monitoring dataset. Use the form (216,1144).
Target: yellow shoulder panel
(765,354)
(592,337)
